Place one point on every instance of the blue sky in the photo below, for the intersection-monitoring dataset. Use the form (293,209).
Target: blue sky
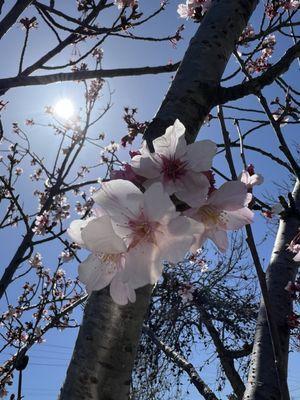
(48,361)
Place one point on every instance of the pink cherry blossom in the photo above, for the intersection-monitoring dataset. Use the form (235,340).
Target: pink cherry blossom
(188,9)
(126,3)
(106,263)
(251,180)
(294,247)
(177,165)
(129,243)
(225,209)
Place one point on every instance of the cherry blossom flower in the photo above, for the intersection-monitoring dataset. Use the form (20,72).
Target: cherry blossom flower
(189,9)
(36,260)
(126,3)
(106,263)
(225,209)
(292,287)
(291,4)
(186,293)
(251,180)
(294,247)
(177,165)
(42,223)
(130,241)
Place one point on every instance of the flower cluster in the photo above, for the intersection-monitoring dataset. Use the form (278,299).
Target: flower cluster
(137,226)
(262,63)
(247,33)
(272,8)
(294,247)
(29,23)
(193,8)
(126,3)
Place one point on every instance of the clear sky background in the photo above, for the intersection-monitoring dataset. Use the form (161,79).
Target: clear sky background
(48,361)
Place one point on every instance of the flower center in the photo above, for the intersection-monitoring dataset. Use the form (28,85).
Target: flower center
(211,216)
(142,230)
(173,168)
(111,262)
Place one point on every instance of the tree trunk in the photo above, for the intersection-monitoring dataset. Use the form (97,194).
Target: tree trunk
(263,381)
(90,375)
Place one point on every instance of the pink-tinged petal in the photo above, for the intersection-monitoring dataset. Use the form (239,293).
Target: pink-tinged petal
(173,142)
(297,257)
(220,239)
(230,196)
(94,274)
(119,198)
(251,180)
(248,199)
(245,177)
(142,266)
(239,218)
(146,165)
(200,155)
(121,292)
(158,206)
(76,228)
(256,179)
(196,187)
(178,238)
(99,236)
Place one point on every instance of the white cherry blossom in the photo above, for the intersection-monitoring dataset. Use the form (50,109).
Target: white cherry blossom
(129,243)
(125,3)
(251,180)
(188,9)
(225,209)
(177,165)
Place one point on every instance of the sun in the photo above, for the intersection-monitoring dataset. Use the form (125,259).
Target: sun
(64,108)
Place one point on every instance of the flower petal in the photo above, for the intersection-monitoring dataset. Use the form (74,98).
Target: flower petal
(94,274)
(219,237)
(146,165)
(99,236)
(121,292)
(297,257)
(177,240)
(239,218)
(230,196)
(119,198)
(195,191)
(173,142)
(75,229)
(158,206)
(200,155)
(142,266)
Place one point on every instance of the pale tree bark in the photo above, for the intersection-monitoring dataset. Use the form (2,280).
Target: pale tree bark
(189,99)
(263,379)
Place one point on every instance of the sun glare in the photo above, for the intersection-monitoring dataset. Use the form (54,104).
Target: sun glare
(64,109)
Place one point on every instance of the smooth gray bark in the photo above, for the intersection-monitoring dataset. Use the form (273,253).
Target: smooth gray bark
(263,378)
(89,376)
(105,348)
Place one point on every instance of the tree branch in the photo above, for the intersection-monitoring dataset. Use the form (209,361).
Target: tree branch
(182,363)
(13,15)
(225,356)
(8,83)
(254,85)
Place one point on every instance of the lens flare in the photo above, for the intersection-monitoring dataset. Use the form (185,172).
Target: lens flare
(64,109)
